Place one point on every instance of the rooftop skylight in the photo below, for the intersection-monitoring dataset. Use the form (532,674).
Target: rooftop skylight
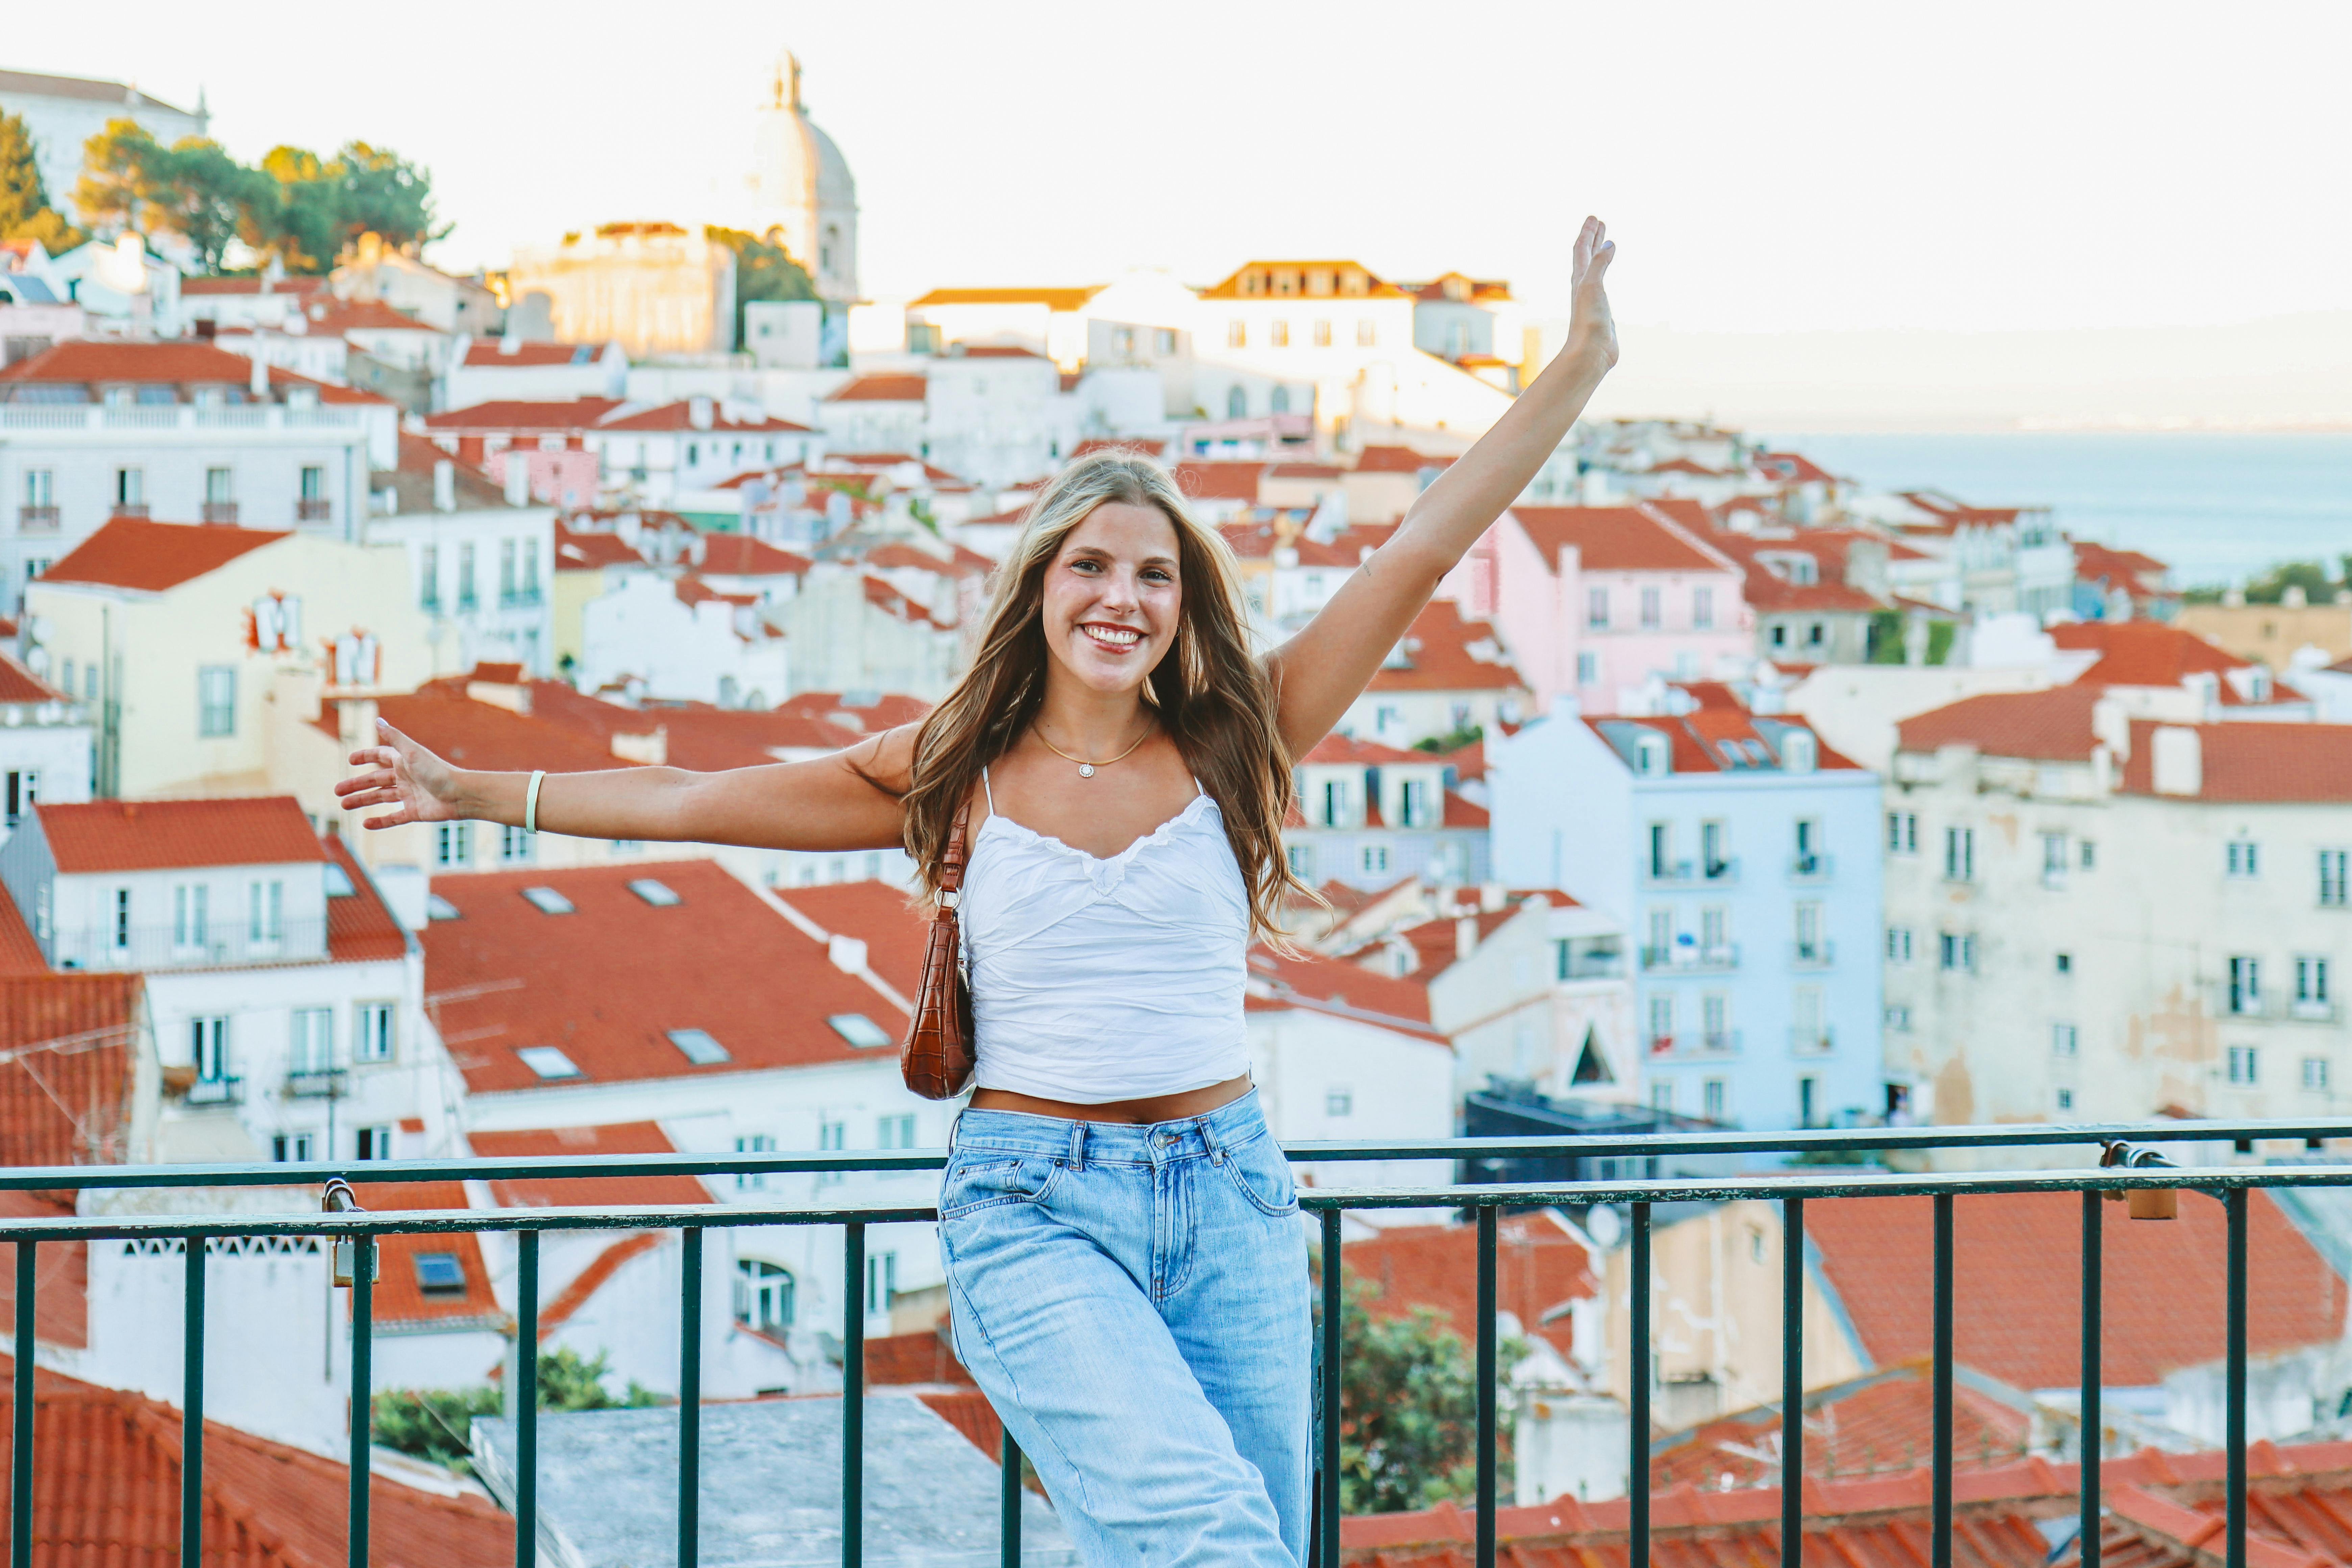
(859,1030)
(438,908)
(547,901)
(440,1273)
(658,894)
(698,1046)
(548,1061)
(339,882)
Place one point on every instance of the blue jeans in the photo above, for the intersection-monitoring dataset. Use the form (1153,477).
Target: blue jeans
(1134,1302)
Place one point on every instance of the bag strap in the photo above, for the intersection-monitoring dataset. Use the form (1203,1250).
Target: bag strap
(951,859)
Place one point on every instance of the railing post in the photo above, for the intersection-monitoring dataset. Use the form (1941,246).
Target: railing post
(526,1390)
(362,1386)
(2235,1439)
(2093,1257)
(853,1396)
(1327,1482)
(689,1396)
(1793,1383)
(1637,1489)
(1009,1487)
(1941,1527)
(20,1453)
(192,1408)
(1486,1400)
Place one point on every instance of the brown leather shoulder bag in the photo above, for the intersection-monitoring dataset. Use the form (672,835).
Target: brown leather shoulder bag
(937,1058)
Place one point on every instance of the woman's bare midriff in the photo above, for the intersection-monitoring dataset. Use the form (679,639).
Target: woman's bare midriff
(1152,1107)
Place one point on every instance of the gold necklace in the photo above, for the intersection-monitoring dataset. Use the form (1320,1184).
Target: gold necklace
(1085,768)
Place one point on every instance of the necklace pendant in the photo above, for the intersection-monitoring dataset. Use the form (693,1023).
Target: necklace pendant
(1085,770)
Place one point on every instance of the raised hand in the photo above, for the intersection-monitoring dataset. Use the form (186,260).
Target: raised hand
(1591,329)
(403,774)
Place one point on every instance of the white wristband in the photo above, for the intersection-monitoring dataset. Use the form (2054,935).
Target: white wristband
(530,801)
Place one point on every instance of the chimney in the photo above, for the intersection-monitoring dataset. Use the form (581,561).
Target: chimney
(699,413)
(445,485)
(847,954)
(2176,758)
(257,382)
(207,329)
(1465,936)
(517,478)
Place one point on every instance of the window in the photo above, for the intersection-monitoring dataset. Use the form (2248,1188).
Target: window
(1899,944)
(895,1133)
(507,580)
(220,487)
(1903,833)
(698,1046)
(1650,608)
(881,1281)
(1277,401)
(859,1030)
(1375,860)
(440,1274)
(23,788)
(548,1061)
(428,577)
(1278,334)
(1236,334)
(753,1143)
(1661,850)
(208,1048)
(216,700)
(1711,1097)
(2065,1100)
(1898,1018)
(265,911)
(1715,1020)
(130,488)
(373,1143)
(89,681)
(1596,609)
(1322,335)
(516,847)
(311,1043)
(1367,335)
(1956,951)
(1415,801)
(1812,947)
(2245,985)
(188,915)
(1960,854)
(2054,858)
(832,1138)
(1338,1102)
(1302,862)
(2063,1041)
(1807,1091)
(2310,982)
(2315,1072)
(1335,803)
(292,1147)
(2333,873)
(465,577)
(121,930)
(372,1032)
(2066,964)
(1662,1021)
(530,573)
(2244,1062)
(40,486)
(453,844)
(313,483)
(2244,858)
(1588,668)
(764,1295)
(1810,861)
(1163,342)
(1662,1097)
(2090,855)
(1702,609)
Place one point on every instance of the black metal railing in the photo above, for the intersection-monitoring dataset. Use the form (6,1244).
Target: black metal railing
(2129,1164)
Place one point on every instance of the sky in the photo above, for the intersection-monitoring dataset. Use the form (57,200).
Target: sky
(1800,167)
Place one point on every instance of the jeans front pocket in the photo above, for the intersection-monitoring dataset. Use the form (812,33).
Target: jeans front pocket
(987,1178)
(1262,1172)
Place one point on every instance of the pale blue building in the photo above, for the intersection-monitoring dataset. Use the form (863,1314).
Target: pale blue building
(1743,857)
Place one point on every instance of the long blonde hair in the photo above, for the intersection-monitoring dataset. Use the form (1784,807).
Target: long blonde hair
(1212,693)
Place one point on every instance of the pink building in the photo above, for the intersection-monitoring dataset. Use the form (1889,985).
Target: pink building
(1591,601)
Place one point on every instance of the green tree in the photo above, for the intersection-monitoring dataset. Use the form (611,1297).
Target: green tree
(764,271)
(1451,740)
(2310,576)
(324,205)
(25,210)
(194,190)
(1409,1407)
(437,1424)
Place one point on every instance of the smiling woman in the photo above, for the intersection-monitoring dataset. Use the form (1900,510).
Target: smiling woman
(1124,1263)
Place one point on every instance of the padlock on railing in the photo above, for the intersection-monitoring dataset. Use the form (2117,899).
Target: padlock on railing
(339,1199)
(2141,1203)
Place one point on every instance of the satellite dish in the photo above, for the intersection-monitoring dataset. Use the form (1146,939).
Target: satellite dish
(1603,1225)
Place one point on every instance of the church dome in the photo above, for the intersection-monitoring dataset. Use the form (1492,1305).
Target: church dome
(802,189)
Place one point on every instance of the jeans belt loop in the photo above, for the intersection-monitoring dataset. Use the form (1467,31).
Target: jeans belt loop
(1078,1145)
(1209,1139)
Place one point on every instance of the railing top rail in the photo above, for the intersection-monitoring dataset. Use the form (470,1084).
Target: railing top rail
(2214,1180)
(40,1178)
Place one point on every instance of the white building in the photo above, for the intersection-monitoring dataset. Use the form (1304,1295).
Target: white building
(394,278)
(657,452)
(679,637)
(483,567)
(2092,916)
(48,745)
(1447,677)
(507,369)
(63,112)
(1371,815)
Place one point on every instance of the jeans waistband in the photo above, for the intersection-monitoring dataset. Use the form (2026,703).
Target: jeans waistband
(1230,1126)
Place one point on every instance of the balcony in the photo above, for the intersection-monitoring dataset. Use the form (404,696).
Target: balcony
(102,419)
(1809,868)
(1687,956)
(316,1083)
(222,944)
(36,519)
(132,508)
(2099,1164)
(531,599)
(310,511)
(219,511)
(1811,954)
(1815,1042)
(1668,872)
(1722,872)
(226,1090)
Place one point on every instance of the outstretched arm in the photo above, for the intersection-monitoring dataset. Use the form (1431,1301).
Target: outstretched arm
(827,802)
(1327,666)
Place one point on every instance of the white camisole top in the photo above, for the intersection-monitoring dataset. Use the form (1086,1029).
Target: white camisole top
(1097,980)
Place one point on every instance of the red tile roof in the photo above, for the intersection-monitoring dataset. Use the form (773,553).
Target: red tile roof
(2016,1307)
(442,719)
(1336,748)
(2053,726)
(1879,1422)
(720,961)
(18,684)
(492,353)
(358,926)
(884,596)
(400,1297)
(1539,1269)
(1375,288)
(105,1491)
(100,361)
(150,557)
(1699,737)
(877,914)
(60,1273)
(1791,469)
(698,735)
(586,1142)
(1767,589)
(2099,560)
(893,555)
(65,1067)
(679,417)
(20,956)
(2150,653)
(1219,480)
(162,834)
(1131,445)
(2276,764)
(1395,460)
(510,414)
(1615,539)
(361,316)
(925,1356)
(1052,299)
(873,712)
(880,389)
(590,551)
(741,555)
(197,288)
(1333,985)
(996,351)
(1462,812)
(1446,653)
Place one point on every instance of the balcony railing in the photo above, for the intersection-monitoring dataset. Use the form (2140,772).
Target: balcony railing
(1691,956)
(228,1090)
(316,1083)
(36,519)
(220,944)
(1809,868)
(1816,954)
(137,509)
(2129,1165)
(1812,1042)
(310,510)
(99,419)
(220,511)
